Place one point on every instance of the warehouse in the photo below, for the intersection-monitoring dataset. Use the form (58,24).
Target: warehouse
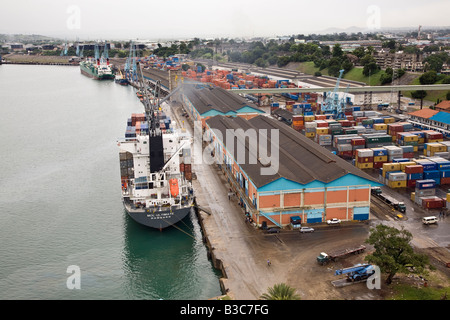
(428,119)
(204,102)
(310,182)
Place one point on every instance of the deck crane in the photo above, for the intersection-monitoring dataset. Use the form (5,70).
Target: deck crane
(357,272)
(130,64)
(64,50)
(332,104)
(105,54)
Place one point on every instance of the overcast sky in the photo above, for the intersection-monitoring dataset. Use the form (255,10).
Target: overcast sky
(155,20)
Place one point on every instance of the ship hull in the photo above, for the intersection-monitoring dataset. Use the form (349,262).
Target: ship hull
(158,220)
(89,73)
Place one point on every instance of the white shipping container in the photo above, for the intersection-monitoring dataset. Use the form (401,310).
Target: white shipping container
(344,147)
(397,176)
(364,153)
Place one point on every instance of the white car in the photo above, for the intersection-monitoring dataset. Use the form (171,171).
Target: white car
(334,221)
(306,229)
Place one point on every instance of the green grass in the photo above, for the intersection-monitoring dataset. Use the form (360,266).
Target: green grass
(432,96)
(408,292)
(355,74)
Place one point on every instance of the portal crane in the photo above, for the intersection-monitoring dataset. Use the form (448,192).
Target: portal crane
(357,272)
(332,104)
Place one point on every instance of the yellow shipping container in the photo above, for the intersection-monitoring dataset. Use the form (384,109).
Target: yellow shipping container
(413,196)
(310,134)
(380,159)
(416,148)
(366,165)
(397,184)
(411,138)
(404,164)
(448,197)
(321,130)
(435,140)
(421,140)
(389,120)
(387,167)
(309,118)
(380,126)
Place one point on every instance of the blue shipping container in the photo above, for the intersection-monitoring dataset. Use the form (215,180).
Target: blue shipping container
(425,184)
(415,176)
(432,174)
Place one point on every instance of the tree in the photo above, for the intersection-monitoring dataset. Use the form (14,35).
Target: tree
(429,77)
(393,252)
(434,63)
(370,69)
(280,291)
(337,51)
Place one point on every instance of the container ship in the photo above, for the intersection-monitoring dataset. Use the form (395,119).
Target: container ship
(155,165)
(97,69)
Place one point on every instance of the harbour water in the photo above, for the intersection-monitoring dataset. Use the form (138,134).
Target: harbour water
(60,200)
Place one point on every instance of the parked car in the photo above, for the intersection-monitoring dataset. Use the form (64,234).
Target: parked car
(334,221)
(273,230)
(306,229)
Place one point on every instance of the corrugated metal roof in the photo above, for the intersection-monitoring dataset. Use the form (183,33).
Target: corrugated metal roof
(444,105)
(300,159)
(216,98)
(443,117)
(424,113)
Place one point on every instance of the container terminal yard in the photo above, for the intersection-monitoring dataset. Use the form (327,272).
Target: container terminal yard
(351,164)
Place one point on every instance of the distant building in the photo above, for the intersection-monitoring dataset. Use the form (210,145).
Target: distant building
(399,60)
(428,119)
(443,106)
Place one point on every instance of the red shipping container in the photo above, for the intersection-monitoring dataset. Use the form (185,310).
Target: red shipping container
(346,154)
(365,159)
(408,155)
(411,183)
(445,181)
(433,203)
(346,123)
(378,165)
(358,142)
(414,169)
(322,124)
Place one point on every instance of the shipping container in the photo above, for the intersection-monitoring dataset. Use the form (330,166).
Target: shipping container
(425,184)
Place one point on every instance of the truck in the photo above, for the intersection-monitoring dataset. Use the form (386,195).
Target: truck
(357,273)
(324,257)
(390,201)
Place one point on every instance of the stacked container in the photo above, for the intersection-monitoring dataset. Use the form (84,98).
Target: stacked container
(394,152)
(396,179)
(298,123)
(431,148)
(424,189)
(310,128)
(380,157)
(364,159)
(414,173)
